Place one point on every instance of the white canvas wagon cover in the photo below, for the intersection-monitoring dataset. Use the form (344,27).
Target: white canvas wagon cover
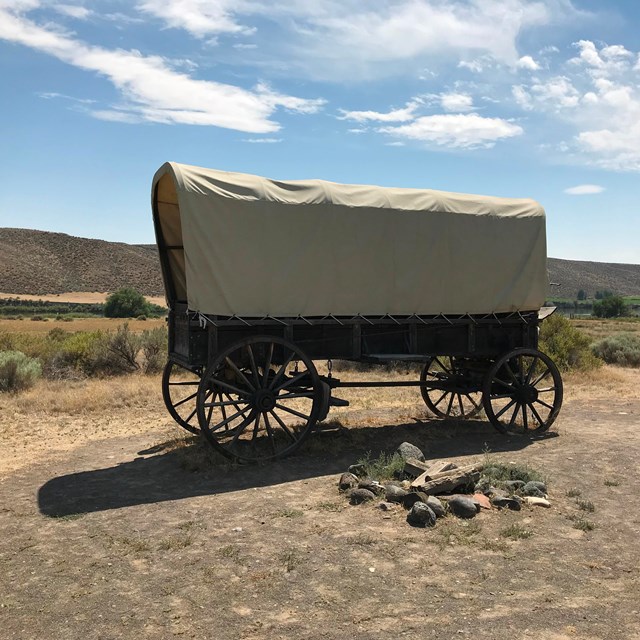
(238,244)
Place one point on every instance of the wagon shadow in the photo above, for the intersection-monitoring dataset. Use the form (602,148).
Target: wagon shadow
(168,472)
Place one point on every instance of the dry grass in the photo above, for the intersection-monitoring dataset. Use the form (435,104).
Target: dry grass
(77,324)
(597,328)
(601,384)
(83,297)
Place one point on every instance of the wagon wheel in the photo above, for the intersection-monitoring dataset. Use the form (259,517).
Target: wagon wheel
(448,404)
(522,392)
(259,399)
(179,392)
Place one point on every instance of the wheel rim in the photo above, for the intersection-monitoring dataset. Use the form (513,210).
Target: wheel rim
(523,392)
(448,404)
(180,392)
(259,399)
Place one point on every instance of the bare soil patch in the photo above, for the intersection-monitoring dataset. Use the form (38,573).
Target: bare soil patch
(106,534)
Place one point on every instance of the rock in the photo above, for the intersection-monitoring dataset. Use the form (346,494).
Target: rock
(482,500)
(513,485)
(463,507)
(372,485)
(503,502)
(407,450)
(535,501)
(356,496)
(358,470)
(536,489)
(421,515)
(406,485)
(386,506)
(436,506)
(347,481)
(410,499)
(492,492)
(394,493)
(483,485)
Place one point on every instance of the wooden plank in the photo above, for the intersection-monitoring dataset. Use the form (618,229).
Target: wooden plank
(447,480)
(413,467)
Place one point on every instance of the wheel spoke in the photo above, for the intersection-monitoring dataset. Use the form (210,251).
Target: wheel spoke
(462,413)
(544,404)
(290,381)
(267,425)
(450,404)
(541,377)
(442,366)
(473,402)
(440,399)
(226,403)
(267,368)
(177,404)
(504,409)
(525,420)
(232,364)
(282,369)
(283,425)
(503,383)
(256,426)
(230,387)
(293,412)
(227,420)
(510,372)
(254,369)
(193,413)
(182,384)
(547,390)
(513,416)
(531,368)
(239,429)
(536,415)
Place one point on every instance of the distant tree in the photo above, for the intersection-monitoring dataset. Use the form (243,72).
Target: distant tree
(126,303)
(601,295)
(610,307)
(582,294)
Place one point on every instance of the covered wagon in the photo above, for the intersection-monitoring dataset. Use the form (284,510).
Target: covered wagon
(264,278)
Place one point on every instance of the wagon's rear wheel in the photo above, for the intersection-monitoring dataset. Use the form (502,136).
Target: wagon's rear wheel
(179,392)
(523,392)
(259,399)
(456,401)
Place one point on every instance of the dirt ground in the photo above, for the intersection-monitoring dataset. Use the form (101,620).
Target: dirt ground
(105,533)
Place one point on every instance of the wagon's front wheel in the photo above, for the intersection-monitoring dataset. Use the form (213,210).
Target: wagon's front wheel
(523,392)
(259,399)
(179,392)
(452,397)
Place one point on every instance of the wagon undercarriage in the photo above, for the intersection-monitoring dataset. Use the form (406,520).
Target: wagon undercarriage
(257,395)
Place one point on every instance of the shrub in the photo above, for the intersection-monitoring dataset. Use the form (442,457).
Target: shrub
(154,350)
(126,303)
(610,307)
(567,346)
(18,371)
(619,348)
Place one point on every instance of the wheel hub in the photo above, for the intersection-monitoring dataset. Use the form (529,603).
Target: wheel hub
(527,394)
(264,400)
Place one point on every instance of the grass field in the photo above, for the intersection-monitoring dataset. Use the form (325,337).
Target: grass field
(77,324)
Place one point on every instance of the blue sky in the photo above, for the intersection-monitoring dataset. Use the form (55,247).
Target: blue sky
(518,98)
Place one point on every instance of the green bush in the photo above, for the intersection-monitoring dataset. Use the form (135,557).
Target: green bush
(619,348)
(610,307)
(567,346)
(126,303)
(154,350)
(17,371)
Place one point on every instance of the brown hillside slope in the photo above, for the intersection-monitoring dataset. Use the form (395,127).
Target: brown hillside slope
(573,275)
(41,262)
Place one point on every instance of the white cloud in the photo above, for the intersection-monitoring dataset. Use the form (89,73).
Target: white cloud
(199,17)
(262,140)
(395,115)
(73,11)
(152,90)
(456,130)
(50,95)
(584,190)
(527,62)
(456,102)
(348,38)
(522,97)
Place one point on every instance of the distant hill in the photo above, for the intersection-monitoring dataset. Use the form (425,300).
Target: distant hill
(41,262)
(573,275)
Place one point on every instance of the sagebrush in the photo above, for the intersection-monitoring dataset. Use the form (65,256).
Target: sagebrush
(17,371)
(620,348)
(567,346)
